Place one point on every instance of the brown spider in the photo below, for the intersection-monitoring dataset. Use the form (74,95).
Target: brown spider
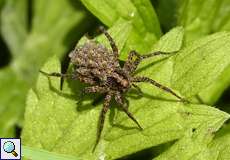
(96,65)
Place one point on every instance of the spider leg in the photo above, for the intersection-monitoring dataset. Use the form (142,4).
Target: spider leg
(111,41)
(64,68)
(132,62)
(135,58)
(156,54)
(102,118)
(119,100)
(146,79)
(55,74)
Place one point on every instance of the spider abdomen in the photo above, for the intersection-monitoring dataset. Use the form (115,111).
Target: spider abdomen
(93,55)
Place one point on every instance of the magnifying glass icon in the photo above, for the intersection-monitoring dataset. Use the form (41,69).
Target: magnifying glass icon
(9,147)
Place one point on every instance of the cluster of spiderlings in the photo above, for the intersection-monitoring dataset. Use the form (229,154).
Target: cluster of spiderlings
(94,60)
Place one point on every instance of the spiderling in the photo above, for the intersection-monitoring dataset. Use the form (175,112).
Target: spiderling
(99,67)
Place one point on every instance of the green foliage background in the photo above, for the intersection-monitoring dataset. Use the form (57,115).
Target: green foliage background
(39,34)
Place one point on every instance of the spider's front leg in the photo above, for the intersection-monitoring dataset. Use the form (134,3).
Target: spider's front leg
(148,80)
(156,54)
(55,74)
(102,117)
(120,101)
(135,58)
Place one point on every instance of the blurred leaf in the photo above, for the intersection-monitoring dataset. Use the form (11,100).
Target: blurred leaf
(197,144)
(53,123)
(140,13)
(50,26)
(167,13)
(222,19)
(201,63)
(14,24)
(196,16)
(203,17)
(2,2)
(54,25)
(12,93)
(13,88)
(38,154)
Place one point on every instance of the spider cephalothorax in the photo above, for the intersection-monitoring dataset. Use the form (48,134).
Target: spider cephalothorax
(96,65)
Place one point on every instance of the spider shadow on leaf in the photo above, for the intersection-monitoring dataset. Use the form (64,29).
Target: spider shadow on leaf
(76,90)
(135,94)
(59,92)
(114,108)
(149,96)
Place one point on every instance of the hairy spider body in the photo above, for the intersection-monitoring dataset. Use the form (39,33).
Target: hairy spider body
(94,64)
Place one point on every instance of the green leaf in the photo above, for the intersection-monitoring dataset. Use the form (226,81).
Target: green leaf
(222,18)
(197,143)
(199,64)
(166,11)
(203,17)
(12,102)
(196,16)
(14,24)
(51,33)
(146,28)
(38,154)
(212,93)
(54,122)
(220,148)
(48,35)
(171,41)
(139,12)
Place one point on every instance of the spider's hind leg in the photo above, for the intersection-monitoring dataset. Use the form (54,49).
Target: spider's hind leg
(119,100)
(102,118)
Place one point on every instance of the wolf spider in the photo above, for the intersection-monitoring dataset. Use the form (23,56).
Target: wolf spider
(99,67)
